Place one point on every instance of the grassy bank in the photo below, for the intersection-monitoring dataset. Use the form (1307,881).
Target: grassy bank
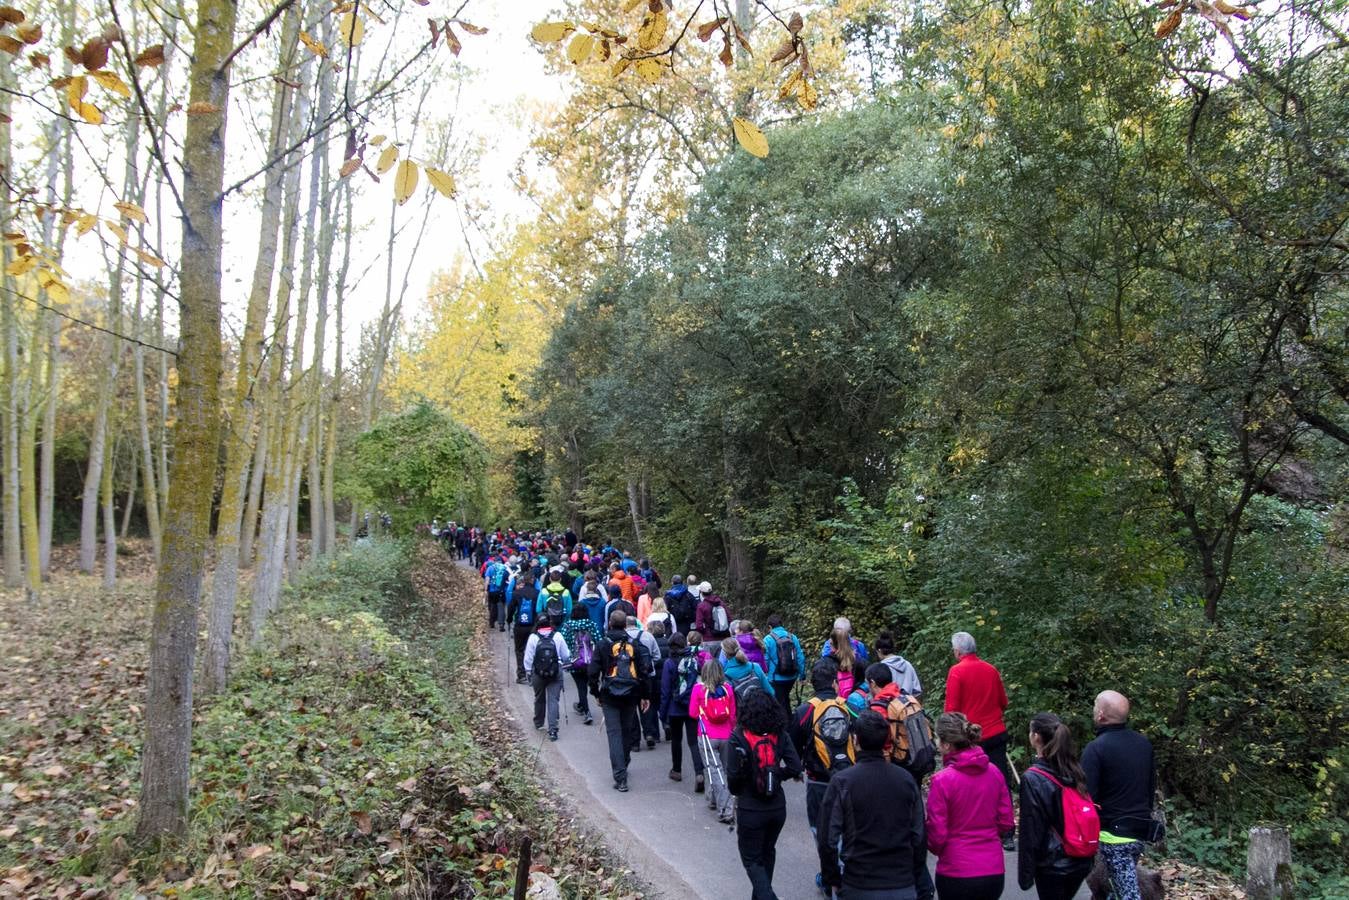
(354,755)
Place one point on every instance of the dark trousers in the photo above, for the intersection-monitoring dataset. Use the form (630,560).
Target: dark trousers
(522,633)
(814,798)
(620,726)
(650,720)
(689,729)
(783,691)
(756,834)
(547,700)
(996,749)
(496,609)
(1052,886)
(983,887)
(581,677)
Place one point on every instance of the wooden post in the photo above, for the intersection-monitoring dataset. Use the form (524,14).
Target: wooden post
(1269,864)
(522,870)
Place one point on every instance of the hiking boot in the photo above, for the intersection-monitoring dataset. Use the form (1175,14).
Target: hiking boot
(538,726)
(522,679)
(552,734)
(675,775)
(589,720)
(651,743)
(726,818)
(698,785)
(577,707)
(621,787)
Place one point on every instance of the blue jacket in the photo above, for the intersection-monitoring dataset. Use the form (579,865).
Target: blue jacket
(770,653)
(595,607)
(736,670)
(859,650)
(543,601)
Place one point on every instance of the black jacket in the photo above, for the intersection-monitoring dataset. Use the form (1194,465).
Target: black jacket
(1039,847)
(1121,778)
(876,809)
(603,661)
(740,772)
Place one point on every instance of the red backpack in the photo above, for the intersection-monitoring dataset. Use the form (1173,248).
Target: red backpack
(1081,823)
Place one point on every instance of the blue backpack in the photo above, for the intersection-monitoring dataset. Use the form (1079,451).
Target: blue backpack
(524,614)
(496,579)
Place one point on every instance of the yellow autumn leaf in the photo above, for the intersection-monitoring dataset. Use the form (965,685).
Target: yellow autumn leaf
(116,229)
(620,67)
(109,80)
(750,137)
(86,223)
(56,290)
(387,159)
(441,181)
(550,32)
(149,258)
(809,96)
(376,140)
(75,91)
(131,211)
(580,48)
(652,31)
(405,182)
(90,113)
(349,166)
(649,69)
(351,28)
(631,5)
(21,266)
(791,86)
(315,46)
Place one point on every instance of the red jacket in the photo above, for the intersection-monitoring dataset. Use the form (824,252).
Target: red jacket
(974,687)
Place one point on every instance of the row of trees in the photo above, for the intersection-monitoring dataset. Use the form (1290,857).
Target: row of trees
(1043,338)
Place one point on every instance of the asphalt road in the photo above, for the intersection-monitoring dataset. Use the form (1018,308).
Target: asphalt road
(663,830)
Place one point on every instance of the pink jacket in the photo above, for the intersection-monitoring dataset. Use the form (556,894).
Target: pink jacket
(717,732)
(968,808)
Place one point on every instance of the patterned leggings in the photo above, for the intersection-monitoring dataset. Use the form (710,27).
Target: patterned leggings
(1121,863)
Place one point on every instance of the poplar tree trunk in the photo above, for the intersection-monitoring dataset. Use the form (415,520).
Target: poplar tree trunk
(146,452)
(241,412)
(9,478)
(249,526)
(165,763)
(32,562)
(130,498)
(330,448)
(109,524)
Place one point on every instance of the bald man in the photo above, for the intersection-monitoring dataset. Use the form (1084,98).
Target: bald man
(1121,777)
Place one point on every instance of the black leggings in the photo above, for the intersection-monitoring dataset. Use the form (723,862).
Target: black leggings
(1050,886)
(982,887)
(690,730)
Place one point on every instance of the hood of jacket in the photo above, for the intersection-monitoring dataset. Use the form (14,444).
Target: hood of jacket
(712,599)
(972,760)
(677,591)
(736,669)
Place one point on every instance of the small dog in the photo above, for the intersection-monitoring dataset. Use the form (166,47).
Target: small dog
(1149,883)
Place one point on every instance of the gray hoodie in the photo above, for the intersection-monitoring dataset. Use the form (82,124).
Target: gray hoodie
(904,675)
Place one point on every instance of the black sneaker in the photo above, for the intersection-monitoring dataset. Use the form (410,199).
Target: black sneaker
(577,707)
(1009,843)
(552,735)
(589,719)
(651,743)
(621,787)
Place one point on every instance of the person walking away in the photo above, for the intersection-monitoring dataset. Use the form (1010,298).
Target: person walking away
(744,675)
(712,617)
(616,681)
(967,812)
(679,673)
(782,651)
(712,706)
(618,576)
(821,731)
(617,602)
(554,601)
(751,642)
(760,758)
(842,650)
(582,636)
(874,811)
(521,611)
(1122,778)
(905,675)
(1050,856)
(660,613)
(649,720)
(649,574)
(911,744)
(682,605)
(645,599)
(697,648)
(496,575)
(546,655)
(593,598)
(859,649)
(974,687)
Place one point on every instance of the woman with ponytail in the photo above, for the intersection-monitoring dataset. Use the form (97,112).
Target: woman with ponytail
(740,671)
(842,648)
(968,810)
(1041,860)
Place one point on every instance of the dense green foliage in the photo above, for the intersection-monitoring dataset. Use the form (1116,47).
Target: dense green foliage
(417,465)
(1047,345)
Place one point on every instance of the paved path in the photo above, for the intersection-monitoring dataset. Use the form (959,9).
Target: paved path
(662,829)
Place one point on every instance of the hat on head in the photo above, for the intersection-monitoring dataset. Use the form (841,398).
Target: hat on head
(705,588)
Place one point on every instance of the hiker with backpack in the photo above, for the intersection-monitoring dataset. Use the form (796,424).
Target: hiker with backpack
(679,673)
(546,655)
(751,642)
(874,811)
(593,597)
(712,617)
(834,641)
(785,668)
(619,576)
(821,731)
(522,613)
(617,602)
(968,811)
(1060,828)
(554,602)
(911,745)
(649,574)
(615,679)
(496,575)
(649,720)
(760,757)
(744,675)
(843,650)
(974,687)
(712,706)
(682,605)
(659,613)
(905,675)
(582,636)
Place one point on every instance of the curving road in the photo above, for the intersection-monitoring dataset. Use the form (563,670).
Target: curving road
(663,830)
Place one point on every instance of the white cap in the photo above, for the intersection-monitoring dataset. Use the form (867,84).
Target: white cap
(705,588)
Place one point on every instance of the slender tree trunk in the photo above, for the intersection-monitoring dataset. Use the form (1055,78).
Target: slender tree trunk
(165,763)
(320,199)
(109,523)
(143,424)
(130,496)
(32,557)
(9,478)
(636,513)
(47,468)
(241,413)
(249,526)
(330,448)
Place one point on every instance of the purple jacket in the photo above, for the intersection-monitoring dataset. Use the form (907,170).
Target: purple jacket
(968,808)
(752,651)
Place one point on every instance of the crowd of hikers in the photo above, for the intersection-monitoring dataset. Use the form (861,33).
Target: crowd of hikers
(884,784)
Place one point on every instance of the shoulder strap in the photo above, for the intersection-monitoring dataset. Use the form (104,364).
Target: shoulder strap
(1045,774)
